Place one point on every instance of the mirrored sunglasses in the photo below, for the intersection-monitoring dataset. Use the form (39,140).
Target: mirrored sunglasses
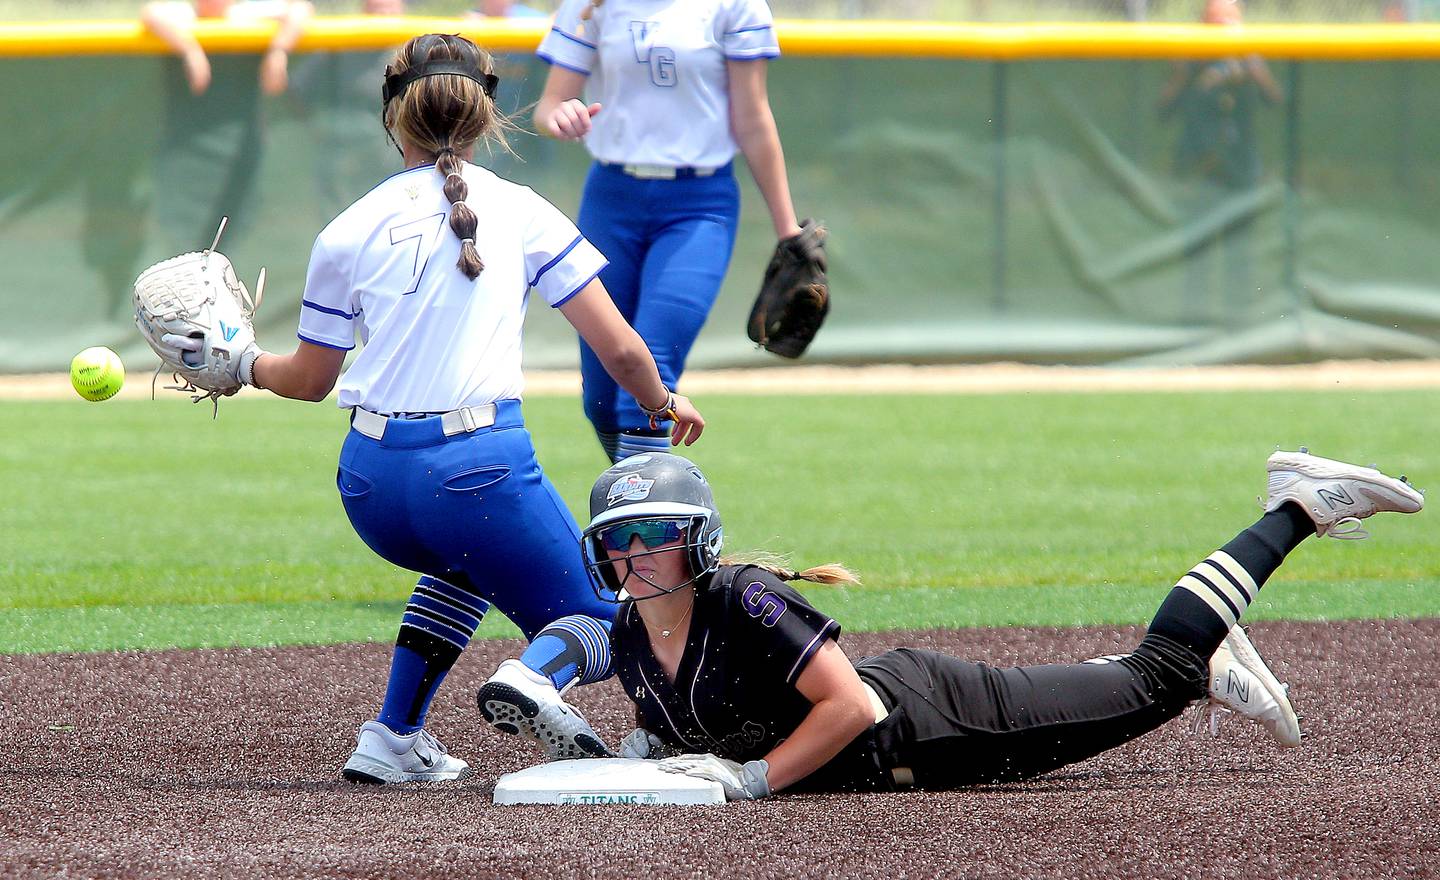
(652,533)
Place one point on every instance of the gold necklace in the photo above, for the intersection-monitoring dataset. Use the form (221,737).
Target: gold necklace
(666,633)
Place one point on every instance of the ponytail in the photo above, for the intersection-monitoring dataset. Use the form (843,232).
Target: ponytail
(462,218)
(829,573)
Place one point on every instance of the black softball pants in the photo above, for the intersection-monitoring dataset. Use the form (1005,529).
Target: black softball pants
(955,722)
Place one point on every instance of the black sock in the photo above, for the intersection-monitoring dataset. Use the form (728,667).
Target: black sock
(1212,596)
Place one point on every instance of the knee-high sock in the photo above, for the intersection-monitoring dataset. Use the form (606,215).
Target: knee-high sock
(572,650)
(609,440)
(1212,596)
(438,623)
(636,442)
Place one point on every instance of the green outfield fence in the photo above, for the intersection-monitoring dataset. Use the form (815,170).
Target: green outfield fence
(994,192)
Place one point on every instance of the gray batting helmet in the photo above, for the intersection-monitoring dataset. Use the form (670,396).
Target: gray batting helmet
(652,487)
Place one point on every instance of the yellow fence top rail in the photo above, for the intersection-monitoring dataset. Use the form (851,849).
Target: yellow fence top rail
(887,39)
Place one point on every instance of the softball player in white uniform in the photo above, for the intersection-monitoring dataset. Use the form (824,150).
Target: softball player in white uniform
(431,270)
(672,90)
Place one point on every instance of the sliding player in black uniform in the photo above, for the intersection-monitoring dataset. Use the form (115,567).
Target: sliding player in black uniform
(737,678)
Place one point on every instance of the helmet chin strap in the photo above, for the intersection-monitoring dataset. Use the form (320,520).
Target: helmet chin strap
(624,595)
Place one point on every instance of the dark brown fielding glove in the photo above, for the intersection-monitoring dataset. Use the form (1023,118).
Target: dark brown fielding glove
(794,296)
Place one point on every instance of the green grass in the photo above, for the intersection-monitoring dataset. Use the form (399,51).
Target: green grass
(137,524)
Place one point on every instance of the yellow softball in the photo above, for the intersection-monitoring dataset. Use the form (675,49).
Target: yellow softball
(97,373)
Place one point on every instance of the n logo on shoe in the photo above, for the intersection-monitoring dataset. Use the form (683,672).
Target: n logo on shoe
(1234,684)
(1338,493)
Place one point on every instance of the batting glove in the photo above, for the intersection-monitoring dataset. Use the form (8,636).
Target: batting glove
(741,782)
(641,743)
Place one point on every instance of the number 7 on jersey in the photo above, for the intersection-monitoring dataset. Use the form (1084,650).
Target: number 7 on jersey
(424,233)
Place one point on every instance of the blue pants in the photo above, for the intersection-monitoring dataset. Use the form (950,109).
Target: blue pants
(474,510)
(669,244)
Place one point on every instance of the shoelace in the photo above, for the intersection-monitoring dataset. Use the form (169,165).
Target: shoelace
(1345,529)
(1351,530)
(1211,712)
(434,744)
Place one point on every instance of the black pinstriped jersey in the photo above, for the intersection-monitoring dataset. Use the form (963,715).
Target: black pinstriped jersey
(734,694)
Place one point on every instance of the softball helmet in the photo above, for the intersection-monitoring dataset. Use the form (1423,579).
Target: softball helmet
(659,498)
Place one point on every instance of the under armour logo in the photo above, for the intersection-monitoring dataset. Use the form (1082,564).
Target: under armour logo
(1236,685)
(640,692)
(228,332)
(1331,496)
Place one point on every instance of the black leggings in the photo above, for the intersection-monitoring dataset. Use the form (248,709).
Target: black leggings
(956,722)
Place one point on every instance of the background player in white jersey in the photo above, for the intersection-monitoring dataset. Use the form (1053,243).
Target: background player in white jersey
(432,270)
(730,665)
(673,89)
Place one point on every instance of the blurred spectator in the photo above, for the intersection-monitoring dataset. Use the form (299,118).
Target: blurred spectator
(211,140)
(338,95)
(173,21)
(520,79)
(1219,153)
(504,9)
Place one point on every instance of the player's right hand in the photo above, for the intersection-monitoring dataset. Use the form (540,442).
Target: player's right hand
(570,121)
(688,422)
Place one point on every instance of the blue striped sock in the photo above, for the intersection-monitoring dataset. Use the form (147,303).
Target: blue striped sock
(635,444)
(438,623)
(574,649)
(608,442)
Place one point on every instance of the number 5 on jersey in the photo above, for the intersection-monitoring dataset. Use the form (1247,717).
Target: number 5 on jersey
(660,58)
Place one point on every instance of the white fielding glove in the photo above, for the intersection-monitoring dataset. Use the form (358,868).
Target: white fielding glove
(741,782)
(641,743)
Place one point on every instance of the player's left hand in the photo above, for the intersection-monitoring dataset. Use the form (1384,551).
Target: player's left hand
(742,782)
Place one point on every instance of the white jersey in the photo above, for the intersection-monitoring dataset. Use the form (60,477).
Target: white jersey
(658,69)
(384,270)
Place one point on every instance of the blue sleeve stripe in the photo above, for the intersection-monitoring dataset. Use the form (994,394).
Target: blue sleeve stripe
(585,43)
(756,55)
(558,257)
(581,286)
(327,310)
(304,338)
(551,59)
(746,30)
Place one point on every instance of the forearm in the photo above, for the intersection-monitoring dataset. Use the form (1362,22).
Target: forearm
(759,141)
(292,26)
(620,349)
(176,35)
(631,365)
(287,376)
(831,726)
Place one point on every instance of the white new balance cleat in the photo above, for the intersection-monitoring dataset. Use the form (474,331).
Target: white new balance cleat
(1335,494)
(383,756)
(1241,682)
(519,701)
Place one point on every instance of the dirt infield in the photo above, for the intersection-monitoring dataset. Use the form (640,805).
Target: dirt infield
(223,763)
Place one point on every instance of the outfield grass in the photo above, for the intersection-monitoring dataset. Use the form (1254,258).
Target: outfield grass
(138,524)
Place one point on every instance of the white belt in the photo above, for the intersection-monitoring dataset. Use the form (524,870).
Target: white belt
(456,421)
(662,172)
